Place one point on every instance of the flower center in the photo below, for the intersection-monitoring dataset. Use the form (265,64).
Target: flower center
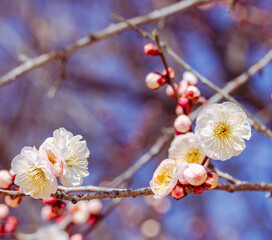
(222,130)
(51,156)
(193,155)
(164,178)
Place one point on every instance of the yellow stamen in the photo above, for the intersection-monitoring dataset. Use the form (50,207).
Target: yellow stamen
(193,155)
(222,130)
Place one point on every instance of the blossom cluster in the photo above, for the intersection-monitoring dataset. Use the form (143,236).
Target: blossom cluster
(219,134)
(8,224)
(82,213)
(171,177)
(63,156)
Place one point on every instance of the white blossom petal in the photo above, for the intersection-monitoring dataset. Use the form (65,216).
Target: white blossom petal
(184,148)
(221,129)
(33,175)
(164,179)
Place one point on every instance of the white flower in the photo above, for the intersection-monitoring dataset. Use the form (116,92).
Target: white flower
(33,174)
(75,154)
(184,148)
(164,179)
(221,130)
(48,150)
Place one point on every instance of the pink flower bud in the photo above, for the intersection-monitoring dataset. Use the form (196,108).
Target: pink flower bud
(47,213)
(171,73)
(151,50)
(182,124)
(195,174)
(154,80)
(95,206)
(179,110)
(211,181)
(179,172)
(13,202)
(182,88)
(170,92)
(178,192)
(192,93)
(190,78)
(77,236)
(5,179)
(92,220)
(4,211)
(198,189)
(11,224)
(12,174)
(183,102)
(50,201)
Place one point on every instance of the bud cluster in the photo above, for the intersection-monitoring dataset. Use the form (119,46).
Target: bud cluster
(7,183)
(8,224)
(194,175)
(80,213)
(185,91)
(172,178)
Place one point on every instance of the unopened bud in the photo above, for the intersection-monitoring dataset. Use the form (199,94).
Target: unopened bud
(183,85)
(182,124)
(151,50)
(4,211)
(13,202)
(95,206)
(195,174)
(5,179)
(77,236)
(170,71)
(198,189)
(211,181)
(12,174)
(183,102)
(92,220)
(50,201)
(190,78)
(154,80)
(11,224)
(179,110)
(170,91)
(47,213)
(178,192)
(179,172)
(192,93)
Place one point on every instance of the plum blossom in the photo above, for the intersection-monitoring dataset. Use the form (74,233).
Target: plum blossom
(164,179)
(75,154)
(184,148)
(55,159)
(221,129)
(33,174)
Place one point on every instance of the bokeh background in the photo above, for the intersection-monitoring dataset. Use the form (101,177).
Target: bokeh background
(104,98)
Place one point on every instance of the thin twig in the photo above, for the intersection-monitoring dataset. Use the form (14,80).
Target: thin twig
(162,56)
(256,123)
(154,151)
(109,31)
(52,91)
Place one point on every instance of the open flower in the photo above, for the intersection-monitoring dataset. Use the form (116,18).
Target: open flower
(33,174)
(164,179)
(221,130)
(184,148)
(48,150)
(75,154)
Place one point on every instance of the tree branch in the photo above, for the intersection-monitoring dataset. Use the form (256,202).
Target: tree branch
(111,30)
